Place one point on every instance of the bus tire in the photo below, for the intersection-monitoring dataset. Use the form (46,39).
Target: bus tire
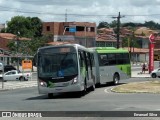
(50,95)
(98,85)
(83,92)
(116,79)
(93,87)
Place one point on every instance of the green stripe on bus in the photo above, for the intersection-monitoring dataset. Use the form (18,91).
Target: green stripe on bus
(106,51)
(110,50)
(125,68)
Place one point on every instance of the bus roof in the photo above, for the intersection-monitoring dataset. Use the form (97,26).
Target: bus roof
(110,50)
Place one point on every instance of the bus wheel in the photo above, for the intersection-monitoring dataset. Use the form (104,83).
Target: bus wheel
(93,87)
(50,95)
(116,79)
(98,85)
(85,88)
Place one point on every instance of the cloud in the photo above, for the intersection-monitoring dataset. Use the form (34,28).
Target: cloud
(54,10)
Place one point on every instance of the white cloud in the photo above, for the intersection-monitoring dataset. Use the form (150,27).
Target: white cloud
(85,7)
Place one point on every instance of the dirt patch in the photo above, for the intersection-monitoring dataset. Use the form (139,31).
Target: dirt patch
(139,87)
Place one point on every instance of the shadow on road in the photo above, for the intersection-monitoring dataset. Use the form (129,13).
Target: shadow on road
(70,95)
(61,96)
(108,85)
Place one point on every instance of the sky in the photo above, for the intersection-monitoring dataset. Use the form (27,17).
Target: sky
(137,11)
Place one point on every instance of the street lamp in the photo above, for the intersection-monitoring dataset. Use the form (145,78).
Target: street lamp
(85,35)
(17,43)
(3,70)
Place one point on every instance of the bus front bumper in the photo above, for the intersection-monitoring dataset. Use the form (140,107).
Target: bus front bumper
(69,88)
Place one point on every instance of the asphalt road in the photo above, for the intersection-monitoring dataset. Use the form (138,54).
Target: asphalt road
(28,99)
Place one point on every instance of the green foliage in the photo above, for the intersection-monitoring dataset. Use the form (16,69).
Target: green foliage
(107,25)
(28,47)
(103,25)
(25,26)
(125,42)
(113,24)
(148,24)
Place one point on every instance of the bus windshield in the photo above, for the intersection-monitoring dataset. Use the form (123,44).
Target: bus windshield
(57,65)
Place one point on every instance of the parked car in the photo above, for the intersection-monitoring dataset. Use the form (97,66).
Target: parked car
(155,73)
(16,75)
(1,67)
(9,68)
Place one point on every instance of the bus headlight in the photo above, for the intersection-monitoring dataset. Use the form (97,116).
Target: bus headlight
(42,83)
(75,80)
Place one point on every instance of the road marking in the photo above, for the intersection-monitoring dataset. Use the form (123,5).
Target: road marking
(108,90)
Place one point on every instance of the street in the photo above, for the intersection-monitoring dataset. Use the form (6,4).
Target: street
(25,97)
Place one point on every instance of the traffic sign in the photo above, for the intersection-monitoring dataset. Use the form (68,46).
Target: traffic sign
(72,29)
(26,64)
(152,38)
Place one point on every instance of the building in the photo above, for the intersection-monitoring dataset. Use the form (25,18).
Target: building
(106,38)
(141,38)
(83,33)
(106,41)
(5,53)
(5,38)
(2,26)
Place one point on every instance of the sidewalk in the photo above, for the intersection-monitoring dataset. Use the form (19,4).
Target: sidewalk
(10,85)
(138,74)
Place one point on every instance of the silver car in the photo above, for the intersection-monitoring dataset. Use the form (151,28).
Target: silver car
(155,73)
(1,67)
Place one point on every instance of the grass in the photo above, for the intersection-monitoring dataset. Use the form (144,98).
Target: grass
(139,87)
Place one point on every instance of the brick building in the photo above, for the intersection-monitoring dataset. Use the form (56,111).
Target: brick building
(106,38)
(85,33)
(5,38)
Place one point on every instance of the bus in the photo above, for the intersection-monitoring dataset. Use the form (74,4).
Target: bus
(111,64)
(65,68)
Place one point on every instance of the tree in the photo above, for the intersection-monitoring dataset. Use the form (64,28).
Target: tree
(130,24)
(151,25)
(36,25)
(113,24)
(103,25)
(25,26)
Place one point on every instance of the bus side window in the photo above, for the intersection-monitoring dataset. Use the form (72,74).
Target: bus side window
(103,60)
(86,63)
(120,58)
(112,59)
(89,60)
(85,60)
(92,60)
(81,58)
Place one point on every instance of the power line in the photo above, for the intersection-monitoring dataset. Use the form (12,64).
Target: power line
(9,9)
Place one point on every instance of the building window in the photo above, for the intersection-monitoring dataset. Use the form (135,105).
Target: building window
(48,28)
(92,29)
(80,28)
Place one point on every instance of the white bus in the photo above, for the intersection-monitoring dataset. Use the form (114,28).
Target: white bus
(111,64)
(74,68)
(65,68)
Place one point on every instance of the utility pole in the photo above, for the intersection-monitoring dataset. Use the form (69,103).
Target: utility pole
(66,16)
(118,28)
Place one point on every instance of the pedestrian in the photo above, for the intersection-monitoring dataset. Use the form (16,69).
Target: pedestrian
(143,68)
